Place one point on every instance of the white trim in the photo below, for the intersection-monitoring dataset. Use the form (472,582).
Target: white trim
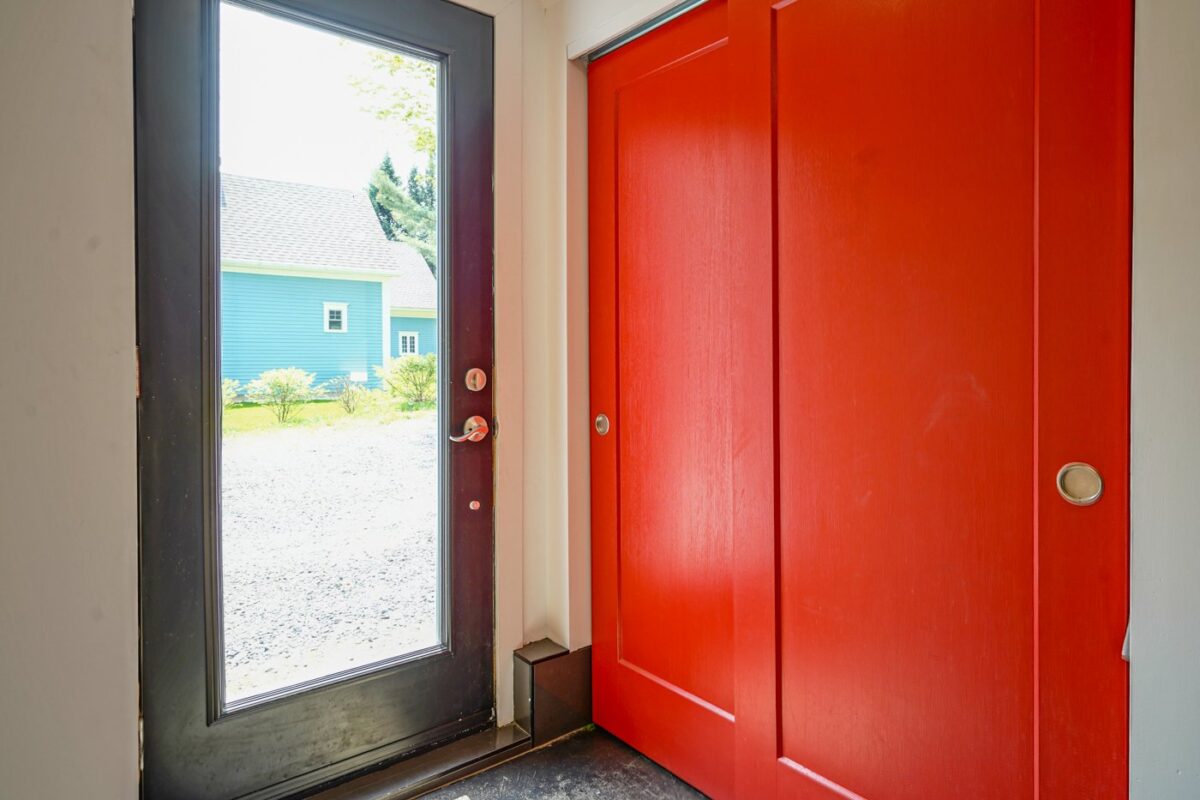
(420,313)
(344,308)
(327,273)
(585,32)
(385,323)
(416,342)
(493,8)
(515,39)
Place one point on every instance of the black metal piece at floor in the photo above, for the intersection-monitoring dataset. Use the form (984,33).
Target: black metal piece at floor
(552,689)
(591,765)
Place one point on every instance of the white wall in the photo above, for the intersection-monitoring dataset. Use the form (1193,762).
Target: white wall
(557,510)
(591,23)
(1165,632)
(68,502)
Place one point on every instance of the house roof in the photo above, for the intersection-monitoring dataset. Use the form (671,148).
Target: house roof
(414,286)
(281,224)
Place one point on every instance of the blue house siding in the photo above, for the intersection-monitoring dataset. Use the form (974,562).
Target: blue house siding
(274,321)
(425,328)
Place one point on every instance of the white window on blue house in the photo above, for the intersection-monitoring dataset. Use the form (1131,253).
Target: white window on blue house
(335,317)
(408,343)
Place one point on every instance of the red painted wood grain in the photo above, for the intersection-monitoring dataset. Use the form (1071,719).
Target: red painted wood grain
(661,358)
(859,581)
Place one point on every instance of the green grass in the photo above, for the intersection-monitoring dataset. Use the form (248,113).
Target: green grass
(376,407)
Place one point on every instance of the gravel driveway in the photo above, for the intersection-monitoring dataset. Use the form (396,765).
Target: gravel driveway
(329,551)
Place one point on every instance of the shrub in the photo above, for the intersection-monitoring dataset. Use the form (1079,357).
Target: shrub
(282,390)
(349,393)
(411,378)
(229,391)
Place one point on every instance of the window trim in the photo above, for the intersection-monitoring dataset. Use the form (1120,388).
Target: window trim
(342,307)
(416,342)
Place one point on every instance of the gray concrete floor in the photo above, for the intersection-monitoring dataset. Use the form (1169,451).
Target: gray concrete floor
(588,766)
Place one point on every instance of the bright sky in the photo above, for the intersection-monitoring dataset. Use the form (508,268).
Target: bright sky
(288,109)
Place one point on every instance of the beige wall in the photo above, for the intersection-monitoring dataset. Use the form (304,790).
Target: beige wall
(1165,627)
(591,23)
(556,502)
(68,524)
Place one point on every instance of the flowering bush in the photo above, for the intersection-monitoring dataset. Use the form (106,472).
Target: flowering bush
(229,392)
(411,378)
(348,392)
(282,390)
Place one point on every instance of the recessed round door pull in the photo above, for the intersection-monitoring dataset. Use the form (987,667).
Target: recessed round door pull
(1079,483)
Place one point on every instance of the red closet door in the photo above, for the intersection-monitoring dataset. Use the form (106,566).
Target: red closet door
(952,244)
(662,355)
(859,289)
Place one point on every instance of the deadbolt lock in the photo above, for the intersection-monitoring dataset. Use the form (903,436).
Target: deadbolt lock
(476,379)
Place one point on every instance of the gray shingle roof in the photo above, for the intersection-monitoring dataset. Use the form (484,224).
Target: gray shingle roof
(414,286)
(275,223)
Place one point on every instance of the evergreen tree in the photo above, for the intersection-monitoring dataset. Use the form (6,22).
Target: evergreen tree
(423,187)
(406,212)
(390,229)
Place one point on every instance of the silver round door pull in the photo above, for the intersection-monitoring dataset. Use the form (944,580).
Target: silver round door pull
(1079,483)
(602,424)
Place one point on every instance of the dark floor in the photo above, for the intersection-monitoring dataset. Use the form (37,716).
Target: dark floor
(589,765)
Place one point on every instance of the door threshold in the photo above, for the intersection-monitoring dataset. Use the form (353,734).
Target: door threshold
(442,765)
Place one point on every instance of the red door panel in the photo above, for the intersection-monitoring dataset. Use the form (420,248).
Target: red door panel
(663,605)
(827,534)
(1082,333)
(906,396)
(673,368)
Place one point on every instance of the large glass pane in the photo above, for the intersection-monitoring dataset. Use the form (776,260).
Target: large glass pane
(329,533)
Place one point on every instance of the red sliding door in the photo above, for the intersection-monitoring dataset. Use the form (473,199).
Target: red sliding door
(860,278)
(661,361)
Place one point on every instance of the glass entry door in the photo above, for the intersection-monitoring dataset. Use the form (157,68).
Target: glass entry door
(315,329)
(330,542)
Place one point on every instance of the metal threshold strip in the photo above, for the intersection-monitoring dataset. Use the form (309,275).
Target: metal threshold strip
(435,768)
(644,28)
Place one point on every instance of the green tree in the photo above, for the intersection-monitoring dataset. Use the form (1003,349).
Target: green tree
(403,90)
(385,216)
(405,219)
(422,187)
(411,378)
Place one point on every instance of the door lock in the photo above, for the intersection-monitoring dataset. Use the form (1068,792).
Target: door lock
(475,379)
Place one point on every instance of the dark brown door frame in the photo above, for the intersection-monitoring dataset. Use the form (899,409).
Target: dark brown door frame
(300,741)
